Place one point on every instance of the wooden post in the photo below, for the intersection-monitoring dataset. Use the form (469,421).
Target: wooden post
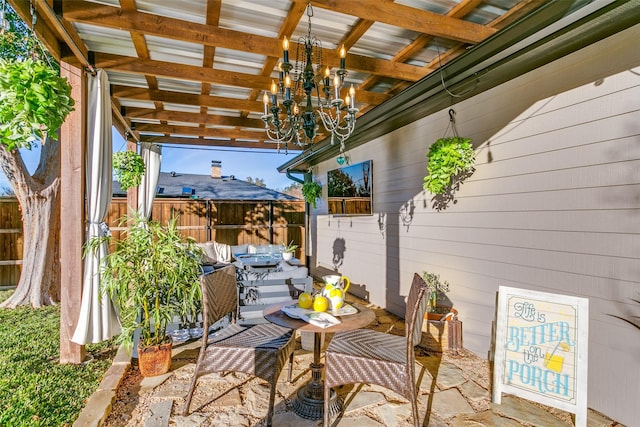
(209,221)
(271,222)
(132,193)
(72,167)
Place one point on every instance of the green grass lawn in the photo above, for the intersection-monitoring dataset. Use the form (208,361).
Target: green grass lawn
(35,390)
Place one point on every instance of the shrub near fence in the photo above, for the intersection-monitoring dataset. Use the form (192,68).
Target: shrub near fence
(231,222)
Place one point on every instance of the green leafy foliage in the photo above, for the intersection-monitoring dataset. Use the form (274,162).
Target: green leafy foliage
(152,275)
(18,42)
(435,289)
(311,191)
(129,168)
(34,102)
(341,184)
(448,157)
(256,181)
(290,247)
(35,389)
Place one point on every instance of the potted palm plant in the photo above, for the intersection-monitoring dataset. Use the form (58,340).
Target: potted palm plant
(153,277)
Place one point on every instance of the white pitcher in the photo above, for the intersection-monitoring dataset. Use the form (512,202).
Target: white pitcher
(335,289)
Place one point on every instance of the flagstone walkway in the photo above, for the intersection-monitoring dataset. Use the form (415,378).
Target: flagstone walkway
(454,391)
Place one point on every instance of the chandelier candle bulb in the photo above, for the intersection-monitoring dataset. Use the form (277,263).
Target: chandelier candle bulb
(280,71)
(274,93)
(265,101)
(287,87)
(285,47)
(352,94)
(336,85)
(343,55)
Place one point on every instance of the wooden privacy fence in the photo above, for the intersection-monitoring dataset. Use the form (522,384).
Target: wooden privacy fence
(349,205)
(10,241)
(231,222)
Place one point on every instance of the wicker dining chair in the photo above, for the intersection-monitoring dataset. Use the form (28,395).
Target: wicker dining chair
(259,350)
(367,356)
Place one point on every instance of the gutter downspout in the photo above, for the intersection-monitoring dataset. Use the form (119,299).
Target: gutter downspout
(288,172)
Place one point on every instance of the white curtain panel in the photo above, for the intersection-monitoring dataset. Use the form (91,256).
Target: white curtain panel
(152,156)
(98,320)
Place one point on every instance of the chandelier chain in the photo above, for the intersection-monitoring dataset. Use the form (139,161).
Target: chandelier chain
(309,15)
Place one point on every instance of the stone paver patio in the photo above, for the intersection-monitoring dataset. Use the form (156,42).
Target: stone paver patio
(454,391)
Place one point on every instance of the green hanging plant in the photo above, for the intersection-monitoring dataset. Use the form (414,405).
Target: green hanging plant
(448,158)
(34,102)
(129,168)
(311,191)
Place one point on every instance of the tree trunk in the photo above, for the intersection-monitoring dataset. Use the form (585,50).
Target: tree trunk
(39,200)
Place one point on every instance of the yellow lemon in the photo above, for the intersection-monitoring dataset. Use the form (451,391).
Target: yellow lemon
(305,300)
(320,303)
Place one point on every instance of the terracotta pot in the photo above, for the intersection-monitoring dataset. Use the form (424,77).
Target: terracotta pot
(154,360)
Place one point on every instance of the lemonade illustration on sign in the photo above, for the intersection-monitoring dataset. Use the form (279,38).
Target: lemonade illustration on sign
(335,288)
(555,361)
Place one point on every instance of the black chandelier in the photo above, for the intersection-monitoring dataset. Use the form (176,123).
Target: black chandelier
(292,122)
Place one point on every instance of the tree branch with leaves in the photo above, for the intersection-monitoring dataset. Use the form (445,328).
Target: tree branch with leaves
(34,102)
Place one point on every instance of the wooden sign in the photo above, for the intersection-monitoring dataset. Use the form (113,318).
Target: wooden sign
(541,349)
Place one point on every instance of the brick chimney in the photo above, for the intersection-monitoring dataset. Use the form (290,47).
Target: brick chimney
(216,169)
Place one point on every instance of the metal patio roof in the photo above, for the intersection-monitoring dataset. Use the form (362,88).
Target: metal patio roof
(194,71)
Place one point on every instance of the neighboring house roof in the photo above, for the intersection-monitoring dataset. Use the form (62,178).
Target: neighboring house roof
(205,187)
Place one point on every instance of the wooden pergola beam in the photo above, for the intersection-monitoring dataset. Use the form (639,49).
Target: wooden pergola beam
(201,118)
(144,94)
(45,34)
(229,143)
(199,131)
(402,16)
(128,64)
(209,35)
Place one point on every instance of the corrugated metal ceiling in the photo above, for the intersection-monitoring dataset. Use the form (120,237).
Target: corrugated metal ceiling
(212,60)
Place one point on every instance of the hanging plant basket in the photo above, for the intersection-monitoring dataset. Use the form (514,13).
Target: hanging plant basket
(129,168)
(311,191)
(34,102)
(448,158)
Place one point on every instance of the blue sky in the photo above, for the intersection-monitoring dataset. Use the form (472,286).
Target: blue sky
(197,160)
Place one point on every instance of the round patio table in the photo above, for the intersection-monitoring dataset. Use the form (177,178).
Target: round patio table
(309,401)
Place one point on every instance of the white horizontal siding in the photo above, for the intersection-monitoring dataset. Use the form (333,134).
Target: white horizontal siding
(553,205)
